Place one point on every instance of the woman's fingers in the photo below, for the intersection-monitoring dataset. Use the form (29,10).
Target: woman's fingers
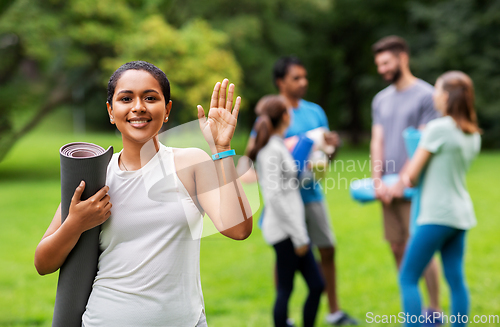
(100,194)
(202,119)
(222,93)
(77,196)
(236,109)
(107,209)
(105,199)
(219,99)
(201,114)
(230,95)
(214,101)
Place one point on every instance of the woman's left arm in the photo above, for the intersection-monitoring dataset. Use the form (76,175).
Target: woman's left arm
(218,189)
(415,166)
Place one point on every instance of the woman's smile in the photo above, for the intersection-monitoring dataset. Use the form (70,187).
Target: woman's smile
(137,122)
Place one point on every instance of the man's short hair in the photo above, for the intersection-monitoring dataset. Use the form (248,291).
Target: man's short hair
(393,43)
(282,65)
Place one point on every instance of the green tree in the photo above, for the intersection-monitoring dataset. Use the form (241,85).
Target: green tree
(334,40)
(62,53)
(463,35)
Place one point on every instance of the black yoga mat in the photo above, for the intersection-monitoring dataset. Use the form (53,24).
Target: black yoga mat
(88,162)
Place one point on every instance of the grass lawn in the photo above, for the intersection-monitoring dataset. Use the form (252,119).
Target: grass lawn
(237,276)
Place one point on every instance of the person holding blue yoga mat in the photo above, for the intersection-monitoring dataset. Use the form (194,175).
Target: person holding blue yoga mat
(406,102)
(284,226)
(447,147)
(148,270)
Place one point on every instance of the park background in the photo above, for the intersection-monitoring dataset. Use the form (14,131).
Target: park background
(56,57)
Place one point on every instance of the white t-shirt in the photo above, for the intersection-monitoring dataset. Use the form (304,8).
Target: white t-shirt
(149,269)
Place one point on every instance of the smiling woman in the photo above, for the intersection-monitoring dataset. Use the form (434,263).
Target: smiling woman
(148,272)
(138,108)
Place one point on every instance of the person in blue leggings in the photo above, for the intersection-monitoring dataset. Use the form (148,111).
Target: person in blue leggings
(448,146)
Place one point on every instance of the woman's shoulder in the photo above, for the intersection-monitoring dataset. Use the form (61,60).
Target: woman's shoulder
(442,124)
(442,121)
(185,157)
(192,153)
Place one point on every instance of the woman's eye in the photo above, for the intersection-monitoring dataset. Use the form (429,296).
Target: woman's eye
(125,99)
(150,98)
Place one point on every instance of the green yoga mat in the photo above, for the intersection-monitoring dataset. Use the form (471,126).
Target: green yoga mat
(88,162)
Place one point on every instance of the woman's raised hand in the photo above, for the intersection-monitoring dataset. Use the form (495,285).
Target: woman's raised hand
(218,128)
(92,212)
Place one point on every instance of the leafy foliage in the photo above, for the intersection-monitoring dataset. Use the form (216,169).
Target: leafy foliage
(62,52)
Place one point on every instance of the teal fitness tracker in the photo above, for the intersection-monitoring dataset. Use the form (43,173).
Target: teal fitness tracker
(223,154)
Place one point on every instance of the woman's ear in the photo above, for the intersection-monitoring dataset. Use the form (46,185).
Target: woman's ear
(168,107)
(110,113)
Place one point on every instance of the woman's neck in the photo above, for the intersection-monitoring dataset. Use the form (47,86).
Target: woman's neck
(280,131)
(136,155)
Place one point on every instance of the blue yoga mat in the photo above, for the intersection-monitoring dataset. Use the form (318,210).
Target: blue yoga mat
(363,191)
(301,151)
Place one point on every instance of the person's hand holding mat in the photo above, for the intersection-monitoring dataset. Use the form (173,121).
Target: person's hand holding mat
(94,211)
(381,191)
(397,190)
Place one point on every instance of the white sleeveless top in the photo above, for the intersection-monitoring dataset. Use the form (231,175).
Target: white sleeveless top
(149,269)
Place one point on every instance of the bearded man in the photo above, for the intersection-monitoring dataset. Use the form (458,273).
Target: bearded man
(406,102)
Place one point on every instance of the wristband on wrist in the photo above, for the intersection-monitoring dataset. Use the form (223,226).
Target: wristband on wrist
(223,154)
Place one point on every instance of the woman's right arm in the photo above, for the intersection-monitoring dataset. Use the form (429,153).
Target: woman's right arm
(59,239)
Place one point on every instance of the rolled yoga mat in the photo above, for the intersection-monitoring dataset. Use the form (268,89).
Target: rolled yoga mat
(362,190)
(88,162)
(301,151)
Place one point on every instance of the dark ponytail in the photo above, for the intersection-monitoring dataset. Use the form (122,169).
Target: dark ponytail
(270,109)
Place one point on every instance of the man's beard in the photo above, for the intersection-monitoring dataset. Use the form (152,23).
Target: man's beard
(395,76)
(300,93)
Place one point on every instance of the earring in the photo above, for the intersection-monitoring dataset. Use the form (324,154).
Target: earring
(111,120)
(166,118)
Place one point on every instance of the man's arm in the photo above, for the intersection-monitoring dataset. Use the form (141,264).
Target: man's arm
(332,138)
(377,160)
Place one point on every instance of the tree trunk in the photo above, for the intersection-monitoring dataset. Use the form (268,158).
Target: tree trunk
(58,96)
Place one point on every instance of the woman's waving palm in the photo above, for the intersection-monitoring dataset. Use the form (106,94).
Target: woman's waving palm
(218,128)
